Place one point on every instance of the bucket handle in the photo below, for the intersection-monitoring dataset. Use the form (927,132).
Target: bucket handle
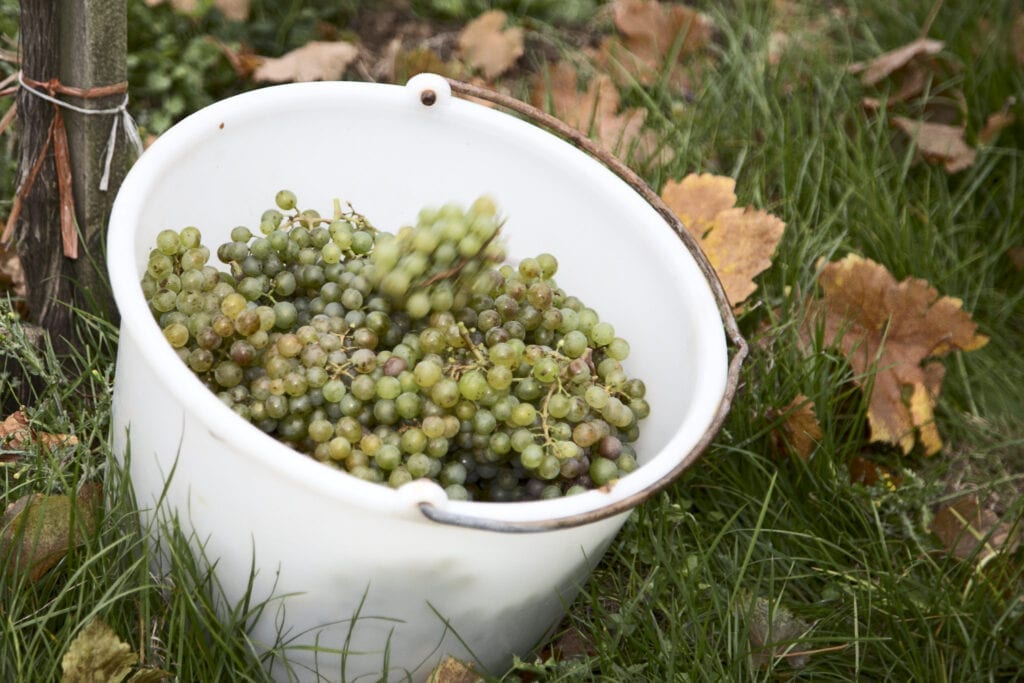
(428,97)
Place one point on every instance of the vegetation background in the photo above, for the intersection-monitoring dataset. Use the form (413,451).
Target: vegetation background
(841,557)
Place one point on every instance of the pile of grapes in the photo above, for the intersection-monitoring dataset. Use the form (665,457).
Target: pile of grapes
(399,356)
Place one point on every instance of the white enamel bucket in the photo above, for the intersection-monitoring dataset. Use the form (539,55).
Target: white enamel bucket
(398,579)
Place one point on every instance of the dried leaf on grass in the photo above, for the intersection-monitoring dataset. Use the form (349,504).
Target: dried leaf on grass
(994,125)
(486,44)
(938,142)
(774,632)
(452,670)
(800,430)
(892,334)
(17,435)
(233,10)
(739,243)
(314,61)
(12,275)
(1016,255)
(98,655)
(595,112)
(869,473)
(884,65)
(36,531)
(1017,37)
(655,38)
(966,530)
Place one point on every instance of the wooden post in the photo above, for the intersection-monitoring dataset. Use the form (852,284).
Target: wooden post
(80,44)
(37,232)
(93,47)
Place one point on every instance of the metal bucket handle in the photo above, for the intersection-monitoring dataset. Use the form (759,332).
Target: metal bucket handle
(428,97)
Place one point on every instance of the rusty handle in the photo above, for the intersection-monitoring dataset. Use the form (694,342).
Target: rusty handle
(740,351)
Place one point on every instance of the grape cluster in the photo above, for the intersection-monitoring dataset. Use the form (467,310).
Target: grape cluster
(407,355)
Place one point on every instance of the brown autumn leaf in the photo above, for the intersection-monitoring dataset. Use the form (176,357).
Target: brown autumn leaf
(242,59)
(233,10)
(884,65)
(966,529)
(17,435)
(314,61)
(652,34)
(1017,37)
(994,124)
(892,334)
(12,275)
(485,44)
(938,142)
(595,112)
(868,473)
(452,670)
(800,431)
(1016,255)
(738,242)
(36,531)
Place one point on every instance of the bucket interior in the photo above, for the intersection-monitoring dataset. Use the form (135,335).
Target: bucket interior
(380,149)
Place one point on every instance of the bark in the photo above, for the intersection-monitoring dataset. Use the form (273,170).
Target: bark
(37,233)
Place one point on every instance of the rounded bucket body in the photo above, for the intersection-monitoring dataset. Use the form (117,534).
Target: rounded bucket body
(380,589)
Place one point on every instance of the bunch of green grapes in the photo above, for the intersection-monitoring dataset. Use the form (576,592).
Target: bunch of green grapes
(400,356)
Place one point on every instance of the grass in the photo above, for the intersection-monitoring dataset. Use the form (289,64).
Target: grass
(852,582)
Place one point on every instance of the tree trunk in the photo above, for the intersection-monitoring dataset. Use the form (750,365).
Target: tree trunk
(82,44)
(37,233)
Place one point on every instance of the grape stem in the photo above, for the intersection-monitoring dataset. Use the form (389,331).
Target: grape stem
(464,332)
(457,268)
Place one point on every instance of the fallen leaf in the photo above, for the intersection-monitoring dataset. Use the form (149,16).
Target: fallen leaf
(17,435)
(1017,257)
(994,124)
(183,6)
(886,64)
(697,199)
(487,45)
(650,32)
(12,275)
(892,334)
(800,431)
(314,61)
(97,655)
(595,112)
(938,142)
(774,632)
(242,60)
(233,10)
(451,670)
(1017,37)
(738,242)
(37,531)
(966,530)
(868,473)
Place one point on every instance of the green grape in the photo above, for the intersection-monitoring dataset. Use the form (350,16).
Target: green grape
(416,354)
(285,200)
